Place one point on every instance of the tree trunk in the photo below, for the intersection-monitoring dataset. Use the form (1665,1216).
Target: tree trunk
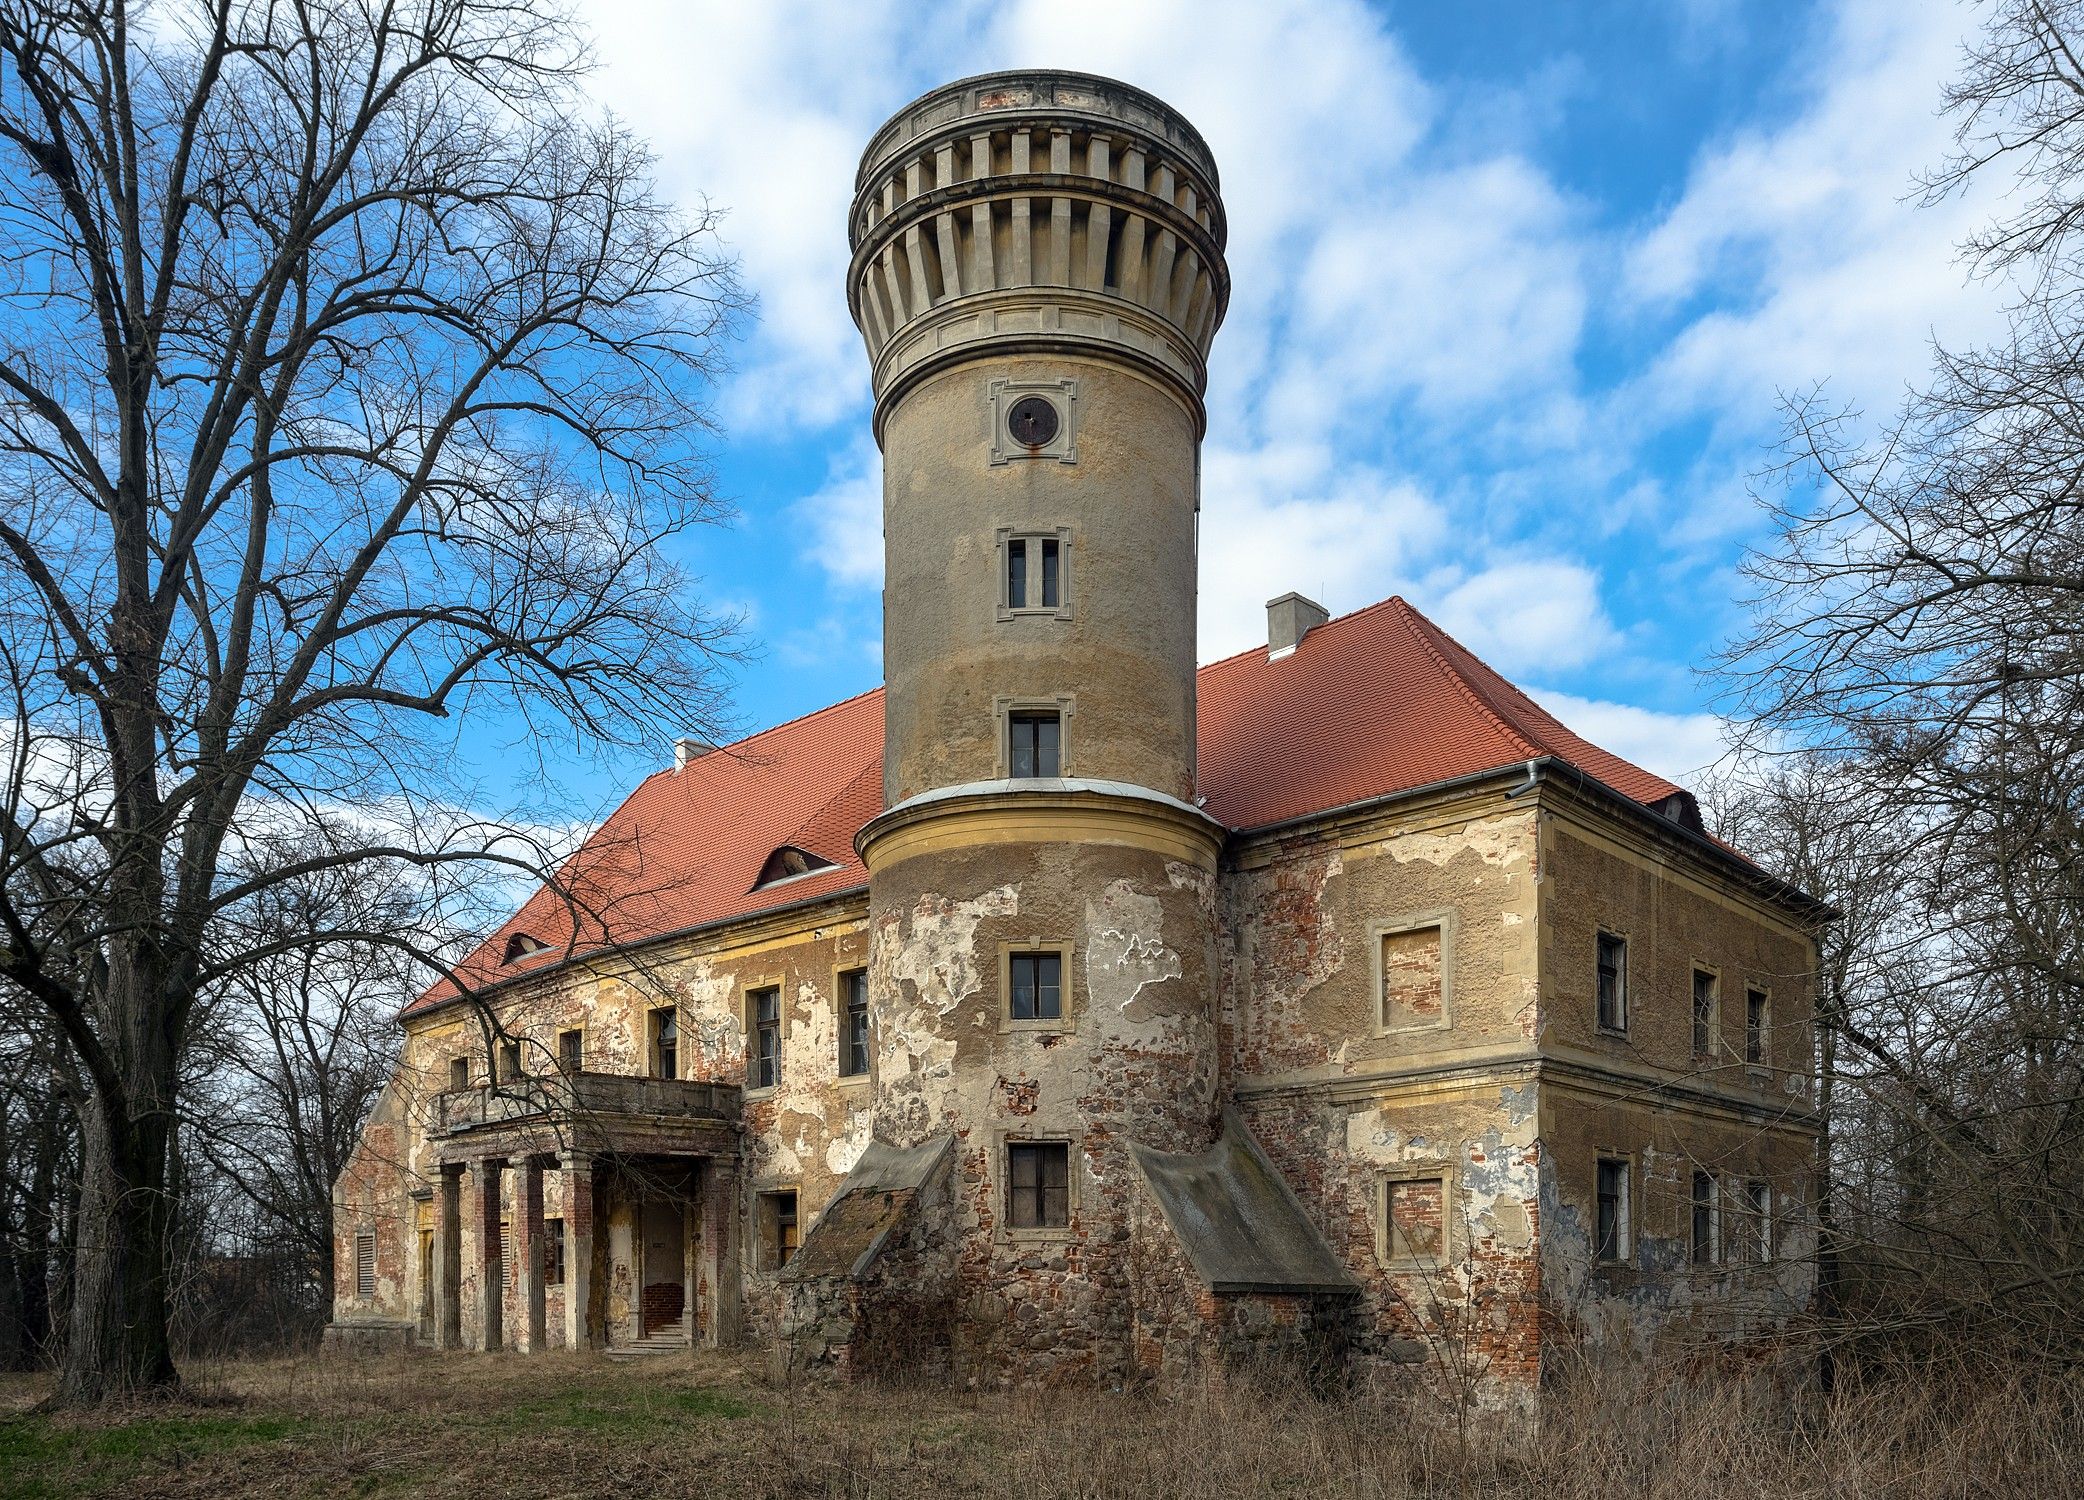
(119,1342)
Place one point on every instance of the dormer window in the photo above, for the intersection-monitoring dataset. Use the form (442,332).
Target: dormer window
(788,862)
(521,946)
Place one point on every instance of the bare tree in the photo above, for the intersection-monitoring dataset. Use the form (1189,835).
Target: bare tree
(351,375)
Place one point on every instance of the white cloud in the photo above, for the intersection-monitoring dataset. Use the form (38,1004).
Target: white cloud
(1529,615)
(844,519)
(1675,746)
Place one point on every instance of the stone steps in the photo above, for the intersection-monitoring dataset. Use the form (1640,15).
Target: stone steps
(668,1340)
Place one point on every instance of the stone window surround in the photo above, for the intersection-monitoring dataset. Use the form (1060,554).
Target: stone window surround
(1067,1005)
(1004,707)
(1062,394)
(1627,963)
(1448,920)
(746,988)
(1764,1065)
(839,1018)
(1714,971)
(1451,1235)
(1073,1142)
(1061,610)
(1624,1231)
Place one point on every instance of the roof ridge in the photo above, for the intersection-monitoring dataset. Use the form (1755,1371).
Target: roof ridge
(802,718)
(1424,631)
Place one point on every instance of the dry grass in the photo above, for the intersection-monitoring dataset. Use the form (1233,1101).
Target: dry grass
(711,1425)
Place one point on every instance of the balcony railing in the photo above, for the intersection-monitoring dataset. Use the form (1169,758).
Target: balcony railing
(579,1096)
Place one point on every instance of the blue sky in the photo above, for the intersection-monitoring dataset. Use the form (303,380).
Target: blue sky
(1517,289)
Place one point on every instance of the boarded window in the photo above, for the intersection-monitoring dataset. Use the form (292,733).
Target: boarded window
(1417,1212)
(665,1043)
(1705,1250)
(1411,993)
(763,1007)
(1755,1023)
(571,1051)
(1703,1013)
(853,1031)
(1613,982)
(1038,1184)
(1035,744)
(553,1252)
(1611,1227)
(1036,982)
(365,1264)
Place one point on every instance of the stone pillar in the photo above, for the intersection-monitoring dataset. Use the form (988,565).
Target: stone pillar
(448,1260)
(578,1250)
(723,1214)
(528,1252)
(491,1264)
(691,1275)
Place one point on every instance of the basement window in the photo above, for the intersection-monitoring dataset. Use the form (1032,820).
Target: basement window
(1035,743)
(1610,1235)
(763,1021)
(1613,982)
(779,1233)
(1038,1184)
(853,1031)
(1704,1008)
(1757,1020)
(365,1264)
(787,863)
(1706,1247)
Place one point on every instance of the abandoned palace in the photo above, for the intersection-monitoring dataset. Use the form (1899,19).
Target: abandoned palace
(1061,1010)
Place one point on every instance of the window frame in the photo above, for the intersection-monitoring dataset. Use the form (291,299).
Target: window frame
(1447,919)
(553,1251)
(842,1009)
(747,1000)
(655,1044)
(510,1060)
(767,1224)
(1003,586)
(1758,1040)
(1704,1250)
(571,1060)
(1067,1006)
(1709,1028)
(365,1265)
(1600,1023)
(1007,708)
(459,1074)
(1386,1253)
(1624,1225)
(1758,1226)
(1007,1144)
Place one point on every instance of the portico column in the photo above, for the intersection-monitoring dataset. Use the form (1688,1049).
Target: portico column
(578,1250)
(448,1260)
(528,1251)
(723,1215)
(491,1264)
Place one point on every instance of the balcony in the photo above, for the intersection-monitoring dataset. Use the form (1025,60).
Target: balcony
(587,1111)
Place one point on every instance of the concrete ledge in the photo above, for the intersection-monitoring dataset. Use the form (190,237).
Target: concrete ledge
(370,1338)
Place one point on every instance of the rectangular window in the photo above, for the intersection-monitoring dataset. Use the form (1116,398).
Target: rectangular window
(778,1229)
(1611,1230)
(571,1051)
(1411,987)
(459,1074)
(665,1042)
(1038,1184)
(365,1264)
(1758,1208)
(509,1061)
(1034,743)
(1613,982)
(1755,1023)
(763,1012)
(853,1031)
(553,1252)
(1703,1013)
(1037,986)
(1704,1246)
(1417,1213)
(1034,573)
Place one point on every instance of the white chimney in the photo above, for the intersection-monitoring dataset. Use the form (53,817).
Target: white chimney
(688,748)
(1288,619)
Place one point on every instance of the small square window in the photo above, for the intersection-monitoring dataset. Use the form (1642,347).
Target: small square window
(1038,1184)
(1035,986)
(1415,1210)
(1610,1234)
(1704,998)
(763,1018)
(665,1042)
(1613,982)
(778,1229)
(1756,1023)
(1034,743)
(553,1252)
(459,1074)
(571,1052)
(1706,1250)
(853,1031)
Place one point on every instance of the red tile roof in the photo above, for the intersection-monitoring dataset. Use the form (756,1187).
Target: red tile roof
(1375,702)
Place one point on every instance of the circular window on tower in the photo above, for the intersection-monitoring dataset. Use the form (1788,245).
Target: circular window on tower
(1033,422)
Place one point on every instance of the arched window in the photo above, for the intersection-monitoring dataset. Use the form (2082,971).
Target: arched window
(787,862)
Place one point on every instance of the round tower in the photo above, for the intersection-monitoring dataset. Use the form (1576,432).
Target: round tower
(1037,272)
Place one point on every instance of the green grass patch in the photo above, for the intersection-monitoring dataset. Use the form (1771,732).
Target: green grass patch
(42,1459)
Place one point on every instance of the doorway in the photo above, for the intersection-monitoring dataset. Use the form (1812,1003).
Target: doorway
(427,1285)
(663,1223)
